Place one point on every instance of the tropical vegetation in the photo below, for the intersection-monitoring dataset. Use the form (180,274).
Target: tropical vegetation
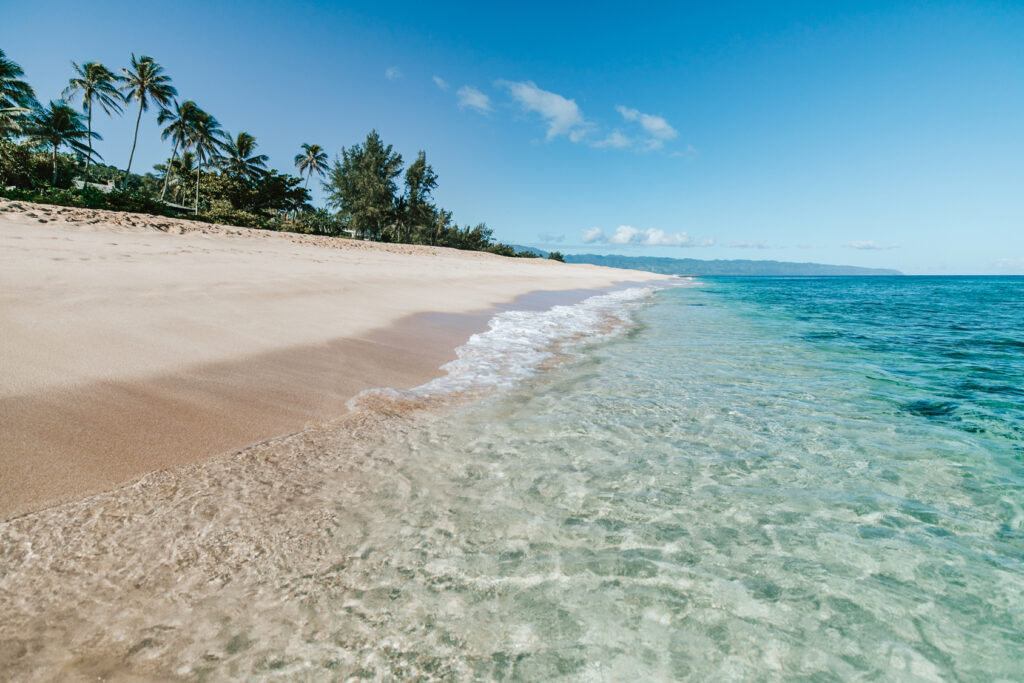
(47,155)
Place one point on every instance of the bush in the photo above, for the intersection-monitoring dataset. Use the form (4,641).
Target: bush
(556,256)
(318,222)
(222,212)
(91,198)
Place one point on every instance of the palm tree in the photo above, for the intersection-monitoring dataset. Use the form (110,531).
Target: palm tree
(59,125)
(312,160)
(178,121)
(16,96)
(182,168)
(96,83)
(240,158)
(205,139)
(145,81)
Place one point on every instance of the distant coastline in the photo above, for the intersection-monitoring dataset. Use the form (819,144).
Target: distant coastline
(726,267)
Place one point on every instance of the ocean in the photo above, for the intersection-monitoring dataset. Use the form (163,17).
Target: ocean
(718,479)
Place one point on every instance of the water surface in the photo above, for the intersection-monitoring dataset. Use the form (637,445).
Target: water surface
(813,478)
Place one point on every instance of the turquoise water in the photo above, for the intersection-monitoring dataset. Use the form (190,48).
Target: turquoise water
(778,479)
(808,477)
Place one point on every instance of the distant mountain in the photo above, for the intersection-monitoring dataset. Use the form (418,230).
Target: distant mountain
(534,250)
(692,266)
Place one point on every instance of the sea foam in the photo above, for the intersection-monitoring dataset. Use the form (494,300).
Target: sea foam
(516,345)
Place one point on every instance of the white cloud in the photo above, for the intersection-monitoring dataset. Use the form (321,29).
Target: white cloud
(871,244)
(1011,265)
(441,83)
(651,237)
(614,139)
(548,237)
(471,97)
(658,128)
(748,245)
(392,73)
(562,115)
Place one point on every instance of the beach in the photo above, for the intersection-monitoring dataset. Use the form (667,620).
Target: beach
(133,343)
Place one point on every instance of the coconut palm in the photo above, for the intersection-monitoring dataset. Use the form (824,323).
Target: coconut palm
(205,139)
(58,125)
(181,170)
(178,119)
(145,82)
(96,84)
(240,158)
(312,161)
(17,99)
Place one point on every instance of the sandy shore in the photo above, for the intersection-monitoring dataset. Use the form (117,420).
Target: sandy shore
(130,343)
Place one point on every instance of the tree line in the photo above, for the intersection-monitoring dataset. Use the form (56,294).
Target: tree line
(220,176)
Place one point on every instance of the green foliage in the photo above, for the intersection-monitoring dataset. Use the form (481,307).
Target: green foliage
(556,256)
(361,185)
(222,212)
(312,161)
(317,222)
(56,126)
(145,82)
(91,198)
(271,193)
(17,99)
(22,167)
(240,159)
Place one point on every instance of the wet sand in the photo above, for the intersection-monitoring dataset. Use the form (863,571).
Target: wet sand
(126,348)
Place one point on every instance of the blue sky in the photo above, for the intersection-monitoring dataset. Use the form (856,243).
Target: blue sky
(875,134)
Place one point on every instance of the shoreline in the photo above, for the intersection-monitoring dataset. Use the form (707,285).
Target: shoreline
(134,408)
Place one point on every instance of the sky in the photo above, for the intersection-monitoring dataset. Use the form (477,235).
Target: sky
(880,134)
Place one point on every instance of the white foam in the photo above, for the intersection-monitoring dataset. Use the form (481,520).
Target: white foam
(518,343)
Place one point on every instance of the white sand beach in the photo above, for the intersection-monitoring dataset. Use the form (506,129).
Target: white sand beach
(130,343)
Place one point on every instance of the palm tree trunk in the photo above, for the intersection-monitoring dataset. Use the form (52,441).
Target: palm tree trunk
(54,182)
(167,173)
(199,173)
(89,158)
(134,140)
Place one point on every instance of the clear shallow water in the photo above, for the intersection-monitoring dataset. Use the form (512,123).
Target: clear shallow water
(814,478)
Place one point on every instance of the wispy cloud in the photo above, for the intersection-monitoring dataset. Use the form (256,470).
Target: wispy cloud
(870,244)
(440,83)
(657,127)
(550,238)
(1011,265)
(748,245)
(688,153)
(561,114)
(650,237)
(469,96)
(614,139)
(392,73)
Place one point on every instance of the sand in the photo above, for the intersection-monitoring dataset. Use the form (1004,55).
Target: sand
(131,343)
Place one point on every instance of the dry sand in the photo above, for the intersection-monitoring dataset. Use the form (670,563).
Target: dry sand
(130,343)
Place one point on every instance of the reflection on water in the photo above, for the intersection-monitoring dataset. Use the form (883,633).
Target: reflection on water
(717,493)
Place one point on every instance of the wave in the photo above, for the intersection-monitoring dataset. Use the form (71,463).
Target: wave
(516,345)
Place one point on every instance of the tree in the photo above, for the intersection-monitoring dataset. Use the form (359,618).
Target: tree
(418,212)
(96,84)
(145,82)
(178,119)
(362,187)
(312,161)
(205,139)
(17,99)
(240,159)
(59,125)
(556,256)
(181,170)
